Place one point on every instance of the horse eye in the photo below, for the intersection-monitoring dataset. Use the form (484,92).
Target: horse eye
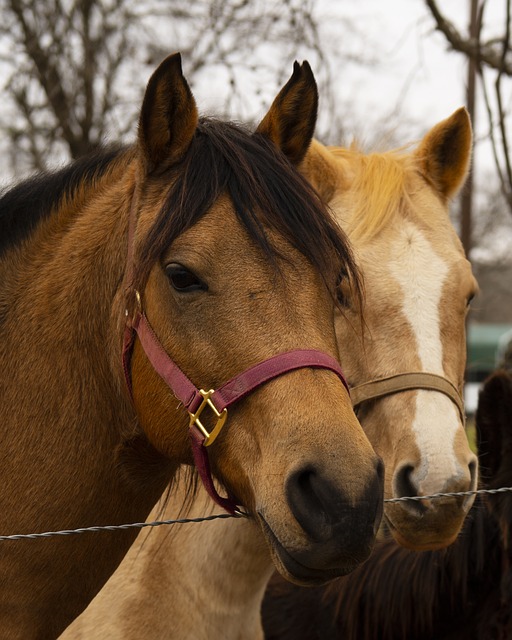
(182,279)
(341,299)
(340,293)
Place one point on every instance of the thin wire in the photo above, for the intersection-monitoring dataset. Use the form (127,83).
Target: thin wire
(132,525)
(222,516)
(453,494)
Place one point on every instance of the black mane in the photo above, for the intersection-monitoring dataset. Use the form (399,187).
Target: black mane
(23,206)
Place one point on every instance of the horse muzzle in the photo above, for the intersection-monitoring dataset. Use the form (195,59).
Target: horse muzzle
(336,533)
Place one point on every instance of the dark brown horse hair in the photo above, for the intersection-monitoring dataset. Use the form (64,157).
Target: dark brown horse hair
(393,596)
(266,191)
(24,205)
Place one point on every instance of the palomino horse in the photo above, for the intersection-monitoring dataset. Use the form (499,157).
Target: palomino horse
(460,593)
(400,201)
(407,371)
(207,237)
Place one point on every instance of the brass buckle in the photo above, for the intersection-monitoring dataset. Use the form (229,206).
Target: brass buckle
(209,437)
(137,308)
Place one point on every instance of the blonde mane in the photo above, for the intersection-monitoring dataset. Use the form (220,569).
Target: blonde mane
(378,188)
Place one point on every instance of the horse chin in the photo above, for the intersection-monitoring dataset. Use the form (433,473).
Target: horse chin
(293,570)
(416,541)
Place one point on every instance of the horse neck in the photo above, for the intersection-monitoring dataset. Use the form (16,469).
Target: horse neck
(210,578)
(226,565)
(64,436)
(72,305)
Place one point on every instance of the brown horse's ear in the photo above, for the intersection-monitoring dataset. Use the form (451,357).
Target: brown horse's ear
(291,120)
(168,117)
(445,152)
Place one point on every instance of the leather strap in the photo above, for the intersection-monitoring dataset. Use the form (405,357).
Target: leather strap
(230,392)
(171,374)
(407,382)
(202,464)
(242,384)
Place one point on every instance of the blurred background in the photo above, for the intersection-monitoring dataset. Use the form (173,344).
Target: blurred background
(73,72)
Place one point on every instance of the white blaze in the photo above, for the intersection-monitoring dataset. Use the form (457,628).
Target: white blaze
(421,273)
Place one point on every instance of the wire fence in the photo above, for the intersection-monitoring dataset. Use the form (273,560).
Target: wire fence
(223,516)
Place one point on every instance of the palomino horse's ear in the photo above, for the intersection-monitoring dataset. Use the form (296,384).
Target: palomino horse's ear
(290,122)
(445,152)
(494,427)
(168,117)
(321,170)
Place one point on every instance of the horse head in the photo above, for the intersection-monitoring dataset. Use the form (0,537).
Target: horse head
(235,261)
(405,362)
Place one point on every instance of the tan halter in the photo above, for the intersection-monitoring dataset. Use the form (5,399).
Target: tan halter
(407,382)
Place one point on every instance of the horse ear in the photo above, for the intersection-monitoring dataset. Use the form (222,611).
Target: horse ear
(291,120)
(168,117)
(321,170)
(494,427)
(444,153)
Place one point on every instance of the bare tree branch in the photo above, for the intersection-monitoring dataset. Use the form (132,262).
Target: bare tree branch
(492,57)
(501,110)
(488,53)
(76,65)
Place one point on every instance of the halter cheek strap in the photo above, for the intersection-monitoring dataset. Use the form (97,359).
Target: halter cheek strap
(196,401)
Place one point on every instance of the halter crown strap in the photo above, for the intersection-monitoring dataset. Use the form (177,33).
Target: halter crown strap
(196,400)
(407,382)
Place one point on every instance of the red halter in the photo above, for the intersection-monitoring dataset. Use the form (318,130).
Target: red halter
(197,400)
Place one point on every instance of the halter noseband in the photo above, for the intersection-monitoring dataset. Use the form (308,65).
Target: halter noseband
(407,382)
(197,400)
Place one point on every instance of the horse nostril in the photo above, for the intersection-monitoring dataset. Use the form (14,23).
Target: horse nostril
(308,497)
(404,486)
(379,468)
(473,480)
(304,481)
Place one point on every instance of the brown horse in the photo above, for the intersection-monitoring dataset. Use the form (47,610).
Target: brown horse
(460,593)
(232,261)
(222,566)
